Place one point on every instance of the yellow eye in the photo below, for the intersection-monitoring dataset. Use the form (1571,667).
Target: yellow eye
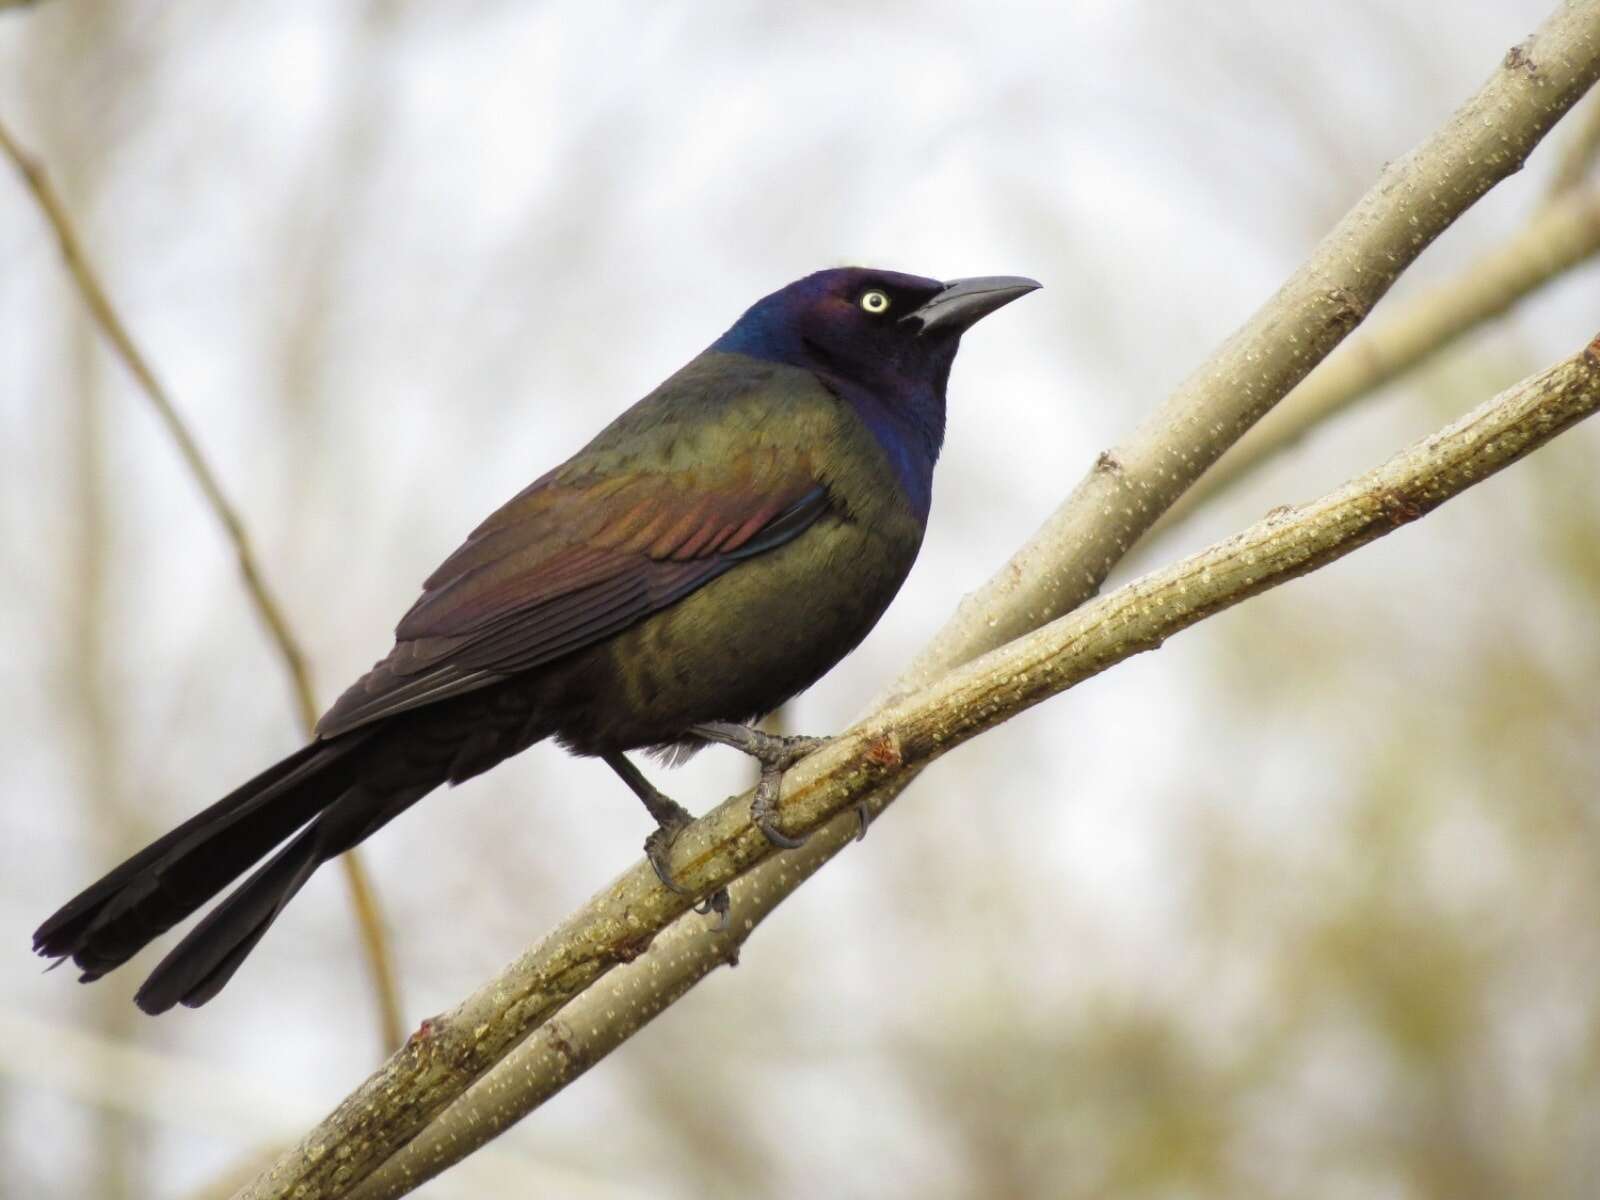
(875,302)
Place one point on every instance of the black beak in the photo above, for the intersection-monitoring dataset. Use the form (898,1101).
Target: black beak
(966,301)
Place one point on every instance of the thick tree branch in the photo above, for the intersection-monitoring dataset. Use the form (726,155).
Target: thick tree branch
(619,923)
(1562,235)
(95,298)
(1415,199)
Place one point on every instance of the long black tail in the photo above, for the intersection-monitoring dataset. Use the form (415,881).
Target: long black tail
(112,920)
(316,804)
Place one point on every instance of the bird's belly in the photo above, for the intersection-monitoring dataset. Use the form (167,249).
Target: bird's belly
(737,647)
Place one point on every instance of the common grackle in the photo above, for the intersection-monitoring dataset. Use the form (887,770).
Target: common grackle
(714,551)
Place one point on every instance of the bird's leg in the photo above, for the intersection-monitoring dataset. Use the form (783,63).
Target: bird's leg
(776,753)
(670,818)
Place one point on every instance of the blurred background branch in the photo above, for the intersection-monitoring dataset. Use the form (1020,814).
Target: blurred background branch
(363,900)
(1578,155)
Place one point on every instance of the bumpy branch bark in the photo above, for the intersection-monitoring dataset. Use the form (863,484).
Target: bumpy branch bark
(1562,235)
(105,315)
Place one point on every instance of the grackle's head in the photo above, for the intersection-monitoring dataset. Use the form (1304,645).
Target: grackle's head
(892,333)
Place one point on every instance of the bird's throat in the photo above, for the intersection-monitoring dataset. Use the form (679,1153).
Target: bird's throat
(910,431)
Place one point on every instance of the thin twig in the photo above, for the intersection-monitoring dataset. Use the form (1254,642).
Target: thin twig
(105,315)
(375,943)
(619,923)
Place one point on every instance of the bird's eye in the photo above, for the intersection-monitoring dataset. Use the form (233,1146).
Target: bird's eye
(875,302)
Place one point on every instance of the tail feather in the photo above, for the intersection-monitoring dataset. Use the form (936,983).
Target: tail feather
(199,966)
(111,920)
(195,969)
(312,806)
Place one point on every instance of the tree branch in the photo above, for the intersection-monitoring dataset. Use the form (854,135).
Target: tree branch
(1562,235)
(1415,199)
(368,917)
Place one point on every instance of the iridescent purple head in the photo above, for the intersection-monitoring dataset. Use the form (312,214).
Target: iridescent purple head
(884,342)
(882,329)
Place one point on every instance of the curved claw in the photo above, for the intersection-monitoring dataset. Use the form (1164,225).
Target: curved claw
(764,812)
(658,849)
(718,902)
(863,820)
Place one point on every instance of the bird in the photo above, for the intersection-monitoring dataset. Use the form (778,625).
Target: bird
(711,553)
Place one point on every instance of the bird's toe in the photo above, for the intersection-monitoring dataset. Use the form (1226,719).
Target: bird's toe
(764,811)
(658,849)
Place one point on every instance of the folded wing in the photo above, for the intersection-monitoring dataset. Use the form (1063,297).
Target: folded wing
(571,561)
